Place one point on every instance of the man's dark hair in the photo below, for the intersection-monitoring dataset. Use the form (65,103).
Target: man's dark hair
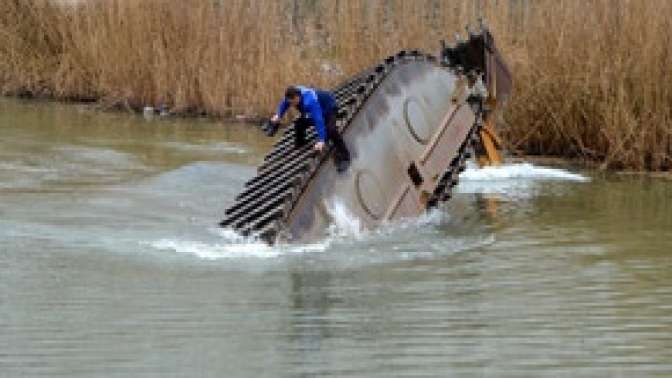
(292,92)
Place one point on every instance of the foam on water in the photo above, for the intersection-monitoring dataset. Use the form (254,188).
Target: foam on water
(347,229)
(513,181)
(231,245)
(217,251)
(522,171)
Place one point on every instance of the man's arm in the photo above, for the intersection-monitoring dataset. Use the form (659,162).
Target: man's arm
(316,114)
(282,108)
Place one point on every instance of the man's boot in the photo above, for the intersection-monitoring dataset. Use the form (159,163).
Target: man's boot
(342,166)
(341,156)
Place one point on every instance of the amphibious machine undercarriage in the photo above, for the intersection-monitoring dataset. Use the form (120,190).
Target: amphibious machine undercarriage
(410,123)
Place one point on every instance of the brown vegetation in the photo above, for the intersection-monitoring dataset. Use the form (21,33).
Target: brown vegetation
(592,78)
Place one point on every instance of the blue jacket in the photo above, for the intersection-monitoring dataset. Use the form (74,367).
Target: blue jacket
(315,103)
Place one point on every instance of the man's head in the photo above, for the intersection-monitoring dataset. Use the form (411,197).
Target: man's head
(293,95)
(472,76)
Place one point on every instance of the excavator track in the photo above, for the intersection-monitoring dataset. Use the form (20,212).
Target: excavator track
(283,201)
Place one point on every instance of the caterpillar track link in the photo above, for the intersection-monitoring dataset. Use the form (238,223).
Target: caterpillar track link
(410,122)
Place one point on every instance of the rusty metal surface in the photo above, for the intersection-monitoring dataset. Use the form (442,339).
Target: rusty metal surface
(409,131)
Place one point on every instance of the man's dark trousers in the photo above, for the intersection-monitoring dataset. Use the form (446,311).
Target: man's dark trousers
(340,150)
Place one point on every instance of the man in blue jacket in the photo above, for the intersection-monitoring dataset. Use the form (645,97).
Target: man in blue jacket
(318,109)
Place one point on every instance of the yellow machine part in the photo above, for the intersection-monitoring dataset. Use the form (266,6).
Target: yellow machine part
(491,144)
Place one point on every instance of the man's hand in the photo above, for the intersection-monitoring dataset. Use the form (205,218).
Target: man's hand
(319,146)
(275,118)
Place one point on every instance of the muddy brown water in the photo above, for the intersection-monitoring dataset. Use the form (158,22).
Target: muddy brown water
(111,266)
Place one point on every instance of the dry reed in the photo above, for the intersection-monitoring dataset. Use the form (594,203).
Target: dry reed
(592,78)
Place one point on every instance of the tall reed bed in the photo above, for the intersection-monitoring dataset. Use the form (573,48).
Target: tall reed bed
(594,80)
(592,77)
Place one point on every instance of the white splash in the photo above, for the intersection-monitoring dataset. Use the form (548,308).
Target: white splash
(513,181)
(344,222)
(519,171)
(216,251)
(232,245)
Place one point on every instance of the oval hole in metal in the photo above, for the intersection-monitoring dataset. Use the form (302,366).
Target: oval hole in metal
(416,121)
(369,194)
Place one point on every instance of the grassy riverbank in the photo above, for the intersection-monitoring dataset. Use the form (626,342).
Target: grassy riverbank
(592,78)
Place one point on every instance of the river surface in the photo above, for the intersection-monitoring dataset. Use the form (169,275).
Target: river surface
(111,265)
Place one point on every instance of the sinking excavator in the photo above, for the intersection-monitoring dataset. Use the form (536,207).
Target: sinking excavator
(411,122)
